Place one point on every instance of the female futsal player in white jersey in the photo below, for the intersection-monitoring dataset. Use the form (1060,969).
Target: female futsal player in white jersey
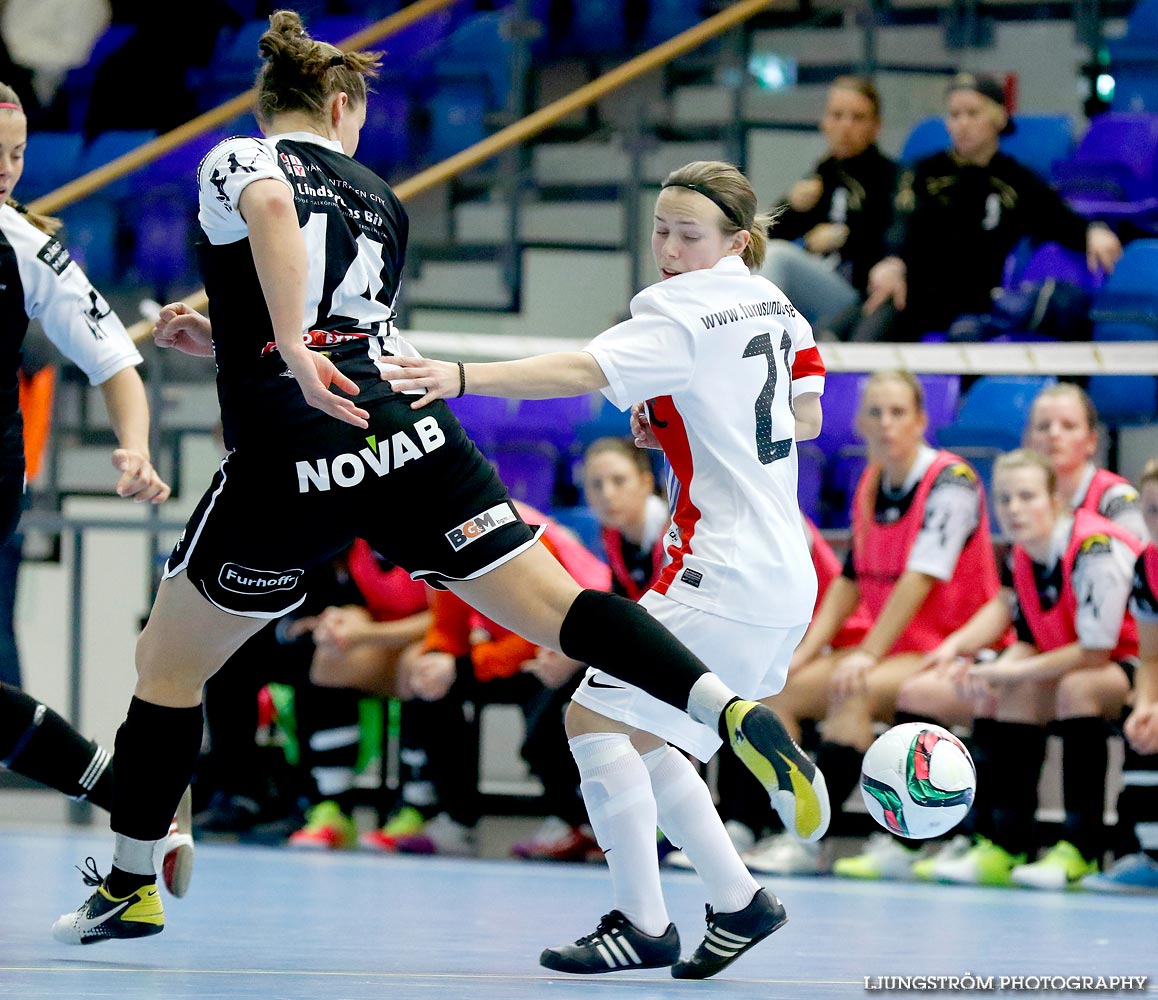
(302,255)
(732,379)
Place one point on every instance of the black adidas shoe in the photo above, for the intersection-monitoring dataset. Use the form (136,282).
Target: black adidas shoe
(616,945)
(794,784)
(729,935)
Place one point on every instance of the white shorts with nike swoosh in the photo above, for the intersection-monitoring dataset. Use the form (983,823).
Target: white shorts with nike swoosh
(751,659)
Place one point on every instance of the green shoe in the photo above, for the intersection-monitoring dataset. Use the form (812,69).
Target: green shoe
(1061,867)
(983,864)
(884,857)
(327,827)
(956,848)
(406,822)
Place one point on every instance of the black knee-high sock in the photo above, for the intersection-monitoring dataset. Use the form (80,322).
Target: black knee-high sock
(1009,756)
(1085,758)
(1138,805)
(616,635)
(840,765)
(329,731)
(156,749)
(37,743)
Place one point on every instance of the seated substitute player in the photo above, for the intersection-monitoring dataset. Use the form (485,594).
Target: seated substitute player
(1068,582)
(1063,426)
(1136,841)
(841,214)
(732,380)
(921,560)
(960,213)
(302,257)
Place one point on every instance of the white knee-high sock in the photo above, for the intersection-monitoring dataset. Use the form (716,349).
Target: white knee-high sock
(688,817)
(615,787)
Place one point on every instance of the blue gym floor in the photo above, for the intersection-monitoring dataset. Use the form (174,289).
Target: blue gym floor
(273,923)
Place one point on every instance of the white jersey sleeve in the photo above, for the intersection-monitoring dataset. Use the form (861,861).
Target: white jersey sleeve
(75,316)
(1102,577)
(952,514)
(652,354)
(227,170)
(807,366)
(1121,504)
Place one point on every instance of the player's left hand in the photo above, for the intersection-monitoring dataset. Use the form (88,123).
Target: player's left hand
(851,675)
(317,377)
(139,480)
(1141,729)
(553,669)
(1103,248)
(1004,671)
(432,675)
(435,379)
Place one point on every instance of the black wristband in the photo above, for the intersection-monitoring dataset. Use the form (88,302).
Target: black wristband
(461,380)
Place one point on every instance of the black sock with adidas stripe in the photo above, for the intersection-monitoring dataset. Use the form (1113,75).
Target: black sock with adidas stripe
(37,743)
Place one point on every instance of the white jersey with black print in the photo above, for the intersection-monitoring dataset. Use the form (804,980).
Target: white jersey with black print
(355,232)
(718,354)
(39,280)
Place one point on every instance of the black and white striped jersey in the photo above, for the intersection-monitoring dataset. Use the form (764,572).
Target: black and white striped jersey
(355,231)
(39,280)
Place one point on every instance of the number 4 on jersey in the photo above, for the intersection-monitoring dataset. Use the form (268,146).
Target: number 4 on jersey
(769,451)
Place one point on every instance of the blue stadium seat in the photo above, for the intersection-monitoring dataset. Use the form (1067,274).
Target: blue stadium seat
(1124,399)
(553,420)
(1051,260)
(607,421)
(1037,142)
(840,401)
(90,234)
(941,392)
(584,523)
(527,468)
(994,412)
(78,82)
(50,160)
(479,49)
(810,463)
(927,137)
(107,147)
(1130,294)
(163,242)
(1114,173)
(457,118)
(482,416)
(387,137)
(598,28)
(667,18)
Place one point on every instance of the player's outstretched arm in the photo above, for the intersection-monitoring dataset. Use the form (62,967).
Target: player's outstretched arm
(545,376)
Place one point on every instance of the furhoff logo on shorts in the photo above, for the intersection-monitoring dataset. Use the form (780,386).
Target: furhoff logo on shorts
(243,580)
(480,524)
(349,469)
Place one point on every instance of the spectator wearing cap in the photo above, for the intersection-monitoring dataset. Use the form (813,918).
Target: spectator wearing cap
(959,213)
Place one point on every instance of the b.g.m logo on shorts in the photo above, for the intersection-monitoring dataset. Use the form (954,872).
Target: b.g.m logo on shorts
(479,525)
(244,580)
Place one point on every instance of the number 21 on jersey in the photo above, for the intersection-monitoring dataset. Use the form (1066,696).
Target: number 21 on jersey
(770,451)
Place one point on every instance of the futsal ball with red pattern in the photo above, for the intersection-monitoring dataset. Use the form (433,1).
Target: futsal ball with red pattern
(918,780)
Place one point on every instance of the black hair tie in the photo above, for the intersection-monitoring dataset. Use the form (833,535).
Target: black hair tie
(707,192)
(338,60)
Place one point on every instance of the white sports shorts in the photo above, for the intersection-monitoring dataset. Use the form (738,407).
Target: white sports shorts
(751,659)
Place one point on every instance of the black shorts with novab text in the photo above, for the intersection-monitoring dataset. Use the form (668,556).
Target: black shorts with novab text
(413,485)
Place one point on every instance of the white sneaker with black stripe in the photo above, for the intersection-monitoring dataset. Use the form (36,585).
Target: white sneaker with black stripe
(729,935)
(615,946)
